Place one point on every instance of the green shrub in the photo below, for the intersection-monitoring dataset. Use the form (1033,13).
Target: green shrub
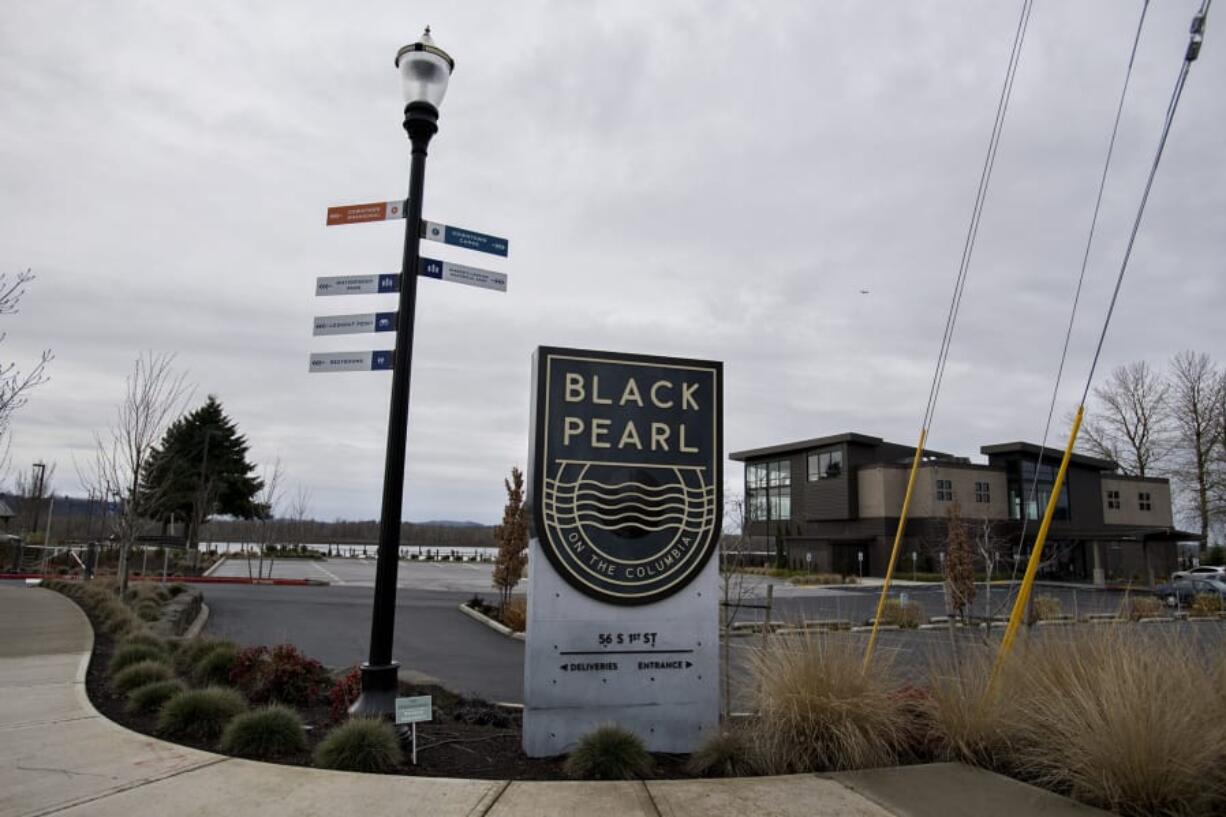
(726,753)
(271,732)
(280,675)
(150,697)
(215,665)
(609,752)
(148,610)
(360,745)
(175,589)
(126,656)
(116,620)
(200,713)
(139,674)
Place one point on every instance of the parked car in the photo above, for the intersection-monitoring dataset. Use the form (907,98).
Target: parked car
(1177,594)
(1202,572)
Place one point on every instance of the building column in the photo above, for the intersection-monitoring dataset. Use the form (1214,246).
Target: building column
(1100,572)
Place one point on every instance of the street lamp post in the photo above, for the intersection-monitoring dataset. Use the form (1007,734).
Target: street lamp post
(424,71)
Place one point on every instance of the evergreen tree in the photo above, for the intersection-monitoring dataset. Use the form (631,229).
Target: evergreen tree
(201,469)
(512,539)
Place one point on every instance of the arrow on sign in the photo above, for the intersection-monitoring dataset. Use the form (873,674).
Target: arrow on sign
(358,213)
(357,284)
(460,274)
(350,361)
(355,324)
(469,239)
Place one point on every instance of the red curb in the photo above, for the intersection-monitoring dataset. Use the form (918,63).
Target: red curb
(185,579)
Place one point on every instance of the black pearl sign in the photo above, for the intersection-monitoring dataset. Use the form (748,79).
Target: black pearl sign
(627,470)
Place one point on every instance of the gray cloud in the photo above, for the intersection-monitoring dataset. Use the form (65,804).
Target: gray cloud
(706,181)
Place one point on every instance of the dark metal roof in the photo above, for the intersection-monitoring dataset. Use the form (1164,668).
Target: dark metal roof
(818,442)
(1019,447)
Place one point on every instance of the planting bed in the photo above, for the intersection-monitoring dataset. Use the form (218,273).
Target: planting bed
(467,738)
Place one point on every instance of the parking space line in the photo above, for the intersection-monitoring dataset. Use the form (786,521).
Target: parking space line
(335,578)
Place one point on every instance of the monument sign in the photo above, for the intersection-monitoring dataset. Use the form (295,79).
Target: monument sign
(625,485)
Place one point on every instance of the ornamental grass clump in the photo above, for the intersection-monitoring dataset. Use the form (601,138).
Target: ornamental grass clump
(144,640)
(726,753)
(139,674)
(1128,722)
(214,666)
(820,711)
(130,654)
(609,752)
(201,714)
(190,652)
(962,723)
(1136,608)
(906,614)
(1205,605)
(267,733)
(149,697)
(360,745)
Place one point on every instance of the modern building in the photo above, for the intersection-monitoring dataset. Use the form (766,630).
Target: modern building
(831,504)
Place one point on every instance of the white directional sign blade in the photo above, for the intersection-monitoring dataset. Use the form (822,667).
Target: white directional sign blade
(357,284)
(461,274)
(355,324)
(351,361)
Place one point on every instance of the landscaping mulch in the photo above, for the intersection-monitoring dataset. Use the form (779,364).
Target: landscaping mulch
(467,738)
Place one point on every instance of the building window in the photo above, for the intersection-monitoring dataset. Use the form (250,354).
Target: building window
(825,465)
(768,491)
(1113,500)
(1028,497)
(983,492)
(945,490)
(1144,501)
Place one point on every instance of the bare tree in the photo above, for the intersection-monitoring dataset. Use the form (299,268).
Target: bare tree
(15,385)
(735,544)
(959,564)
(155,394)
(299,510)
(1217,474)
(1194,406)
(266,501)
(1132,422)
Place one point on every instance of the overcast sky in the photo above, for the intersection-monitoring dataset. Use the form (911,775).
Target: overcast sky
(708,180)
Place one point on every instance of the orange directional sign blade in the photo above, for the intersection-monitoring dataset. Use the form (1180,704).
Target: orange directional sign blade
(358,213)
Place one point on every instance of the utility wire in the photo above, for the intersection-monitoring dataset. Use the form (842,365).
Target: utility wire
(1197,37)
(1023,596)
(1032,497)
(955,303)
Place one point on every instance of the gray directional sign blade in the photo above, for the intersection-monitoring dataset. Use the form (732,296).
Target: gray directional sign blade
(351,361)
(469,239)
(357,284)
(355,324)
(461,274)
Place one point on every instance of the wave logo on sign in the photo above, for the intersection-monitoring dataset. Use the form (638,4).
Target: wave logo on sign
(657,501)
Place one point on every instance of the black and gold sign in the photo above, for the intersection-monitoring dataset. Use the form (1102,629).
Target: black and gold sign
(627,470)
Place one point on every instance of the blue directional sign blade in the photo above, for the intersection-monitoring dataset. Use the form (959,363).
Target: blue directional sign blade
(469,239)
(380,360)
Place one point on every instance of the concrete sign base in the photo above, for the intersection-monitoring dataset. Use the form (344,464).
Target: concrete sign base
(653,669)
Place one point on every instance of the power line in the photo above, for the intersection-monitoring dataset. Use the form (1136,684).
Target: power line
(1085,258)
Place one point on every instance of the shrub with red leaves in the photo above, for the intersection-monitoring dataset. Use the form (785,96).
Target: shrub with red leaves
(344,692)
(281,675)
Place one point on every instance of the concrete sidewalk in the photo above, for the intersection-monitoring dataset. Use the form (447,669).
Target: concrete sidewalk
(58,755)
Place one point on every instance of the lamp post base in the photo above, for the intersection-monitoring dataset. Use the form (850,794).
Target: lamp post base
(380,686)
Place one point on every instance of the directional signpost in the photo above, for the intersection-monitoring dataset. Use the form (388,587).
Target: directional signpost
(469,239)
(415,710)
(355,324)
(461,274)
(357,284)
(351,361)
(358,213)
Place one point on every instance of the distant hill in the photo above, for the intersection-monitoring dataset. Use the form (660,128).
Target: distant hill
(451,523)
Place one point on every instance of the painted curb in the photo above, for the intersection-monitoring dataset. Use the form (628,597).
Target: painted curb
(497,626)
